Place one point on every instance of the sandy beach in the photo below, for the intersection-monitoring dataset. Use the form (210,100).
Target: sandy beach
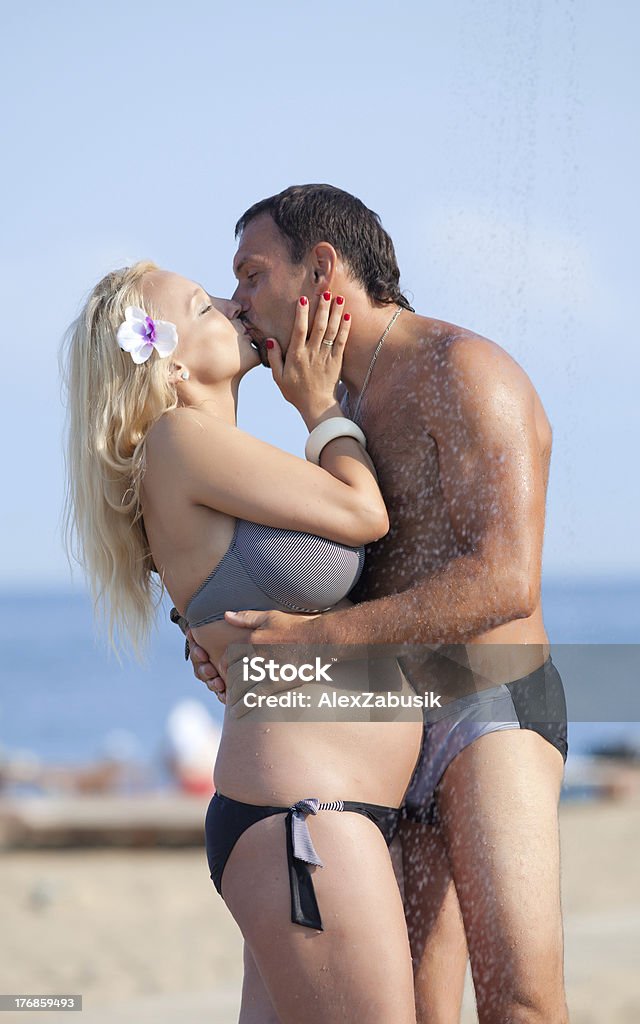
(143,935)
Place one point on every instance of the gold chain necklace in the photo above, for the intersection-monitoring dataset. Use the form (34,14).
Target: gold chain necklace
(373,359)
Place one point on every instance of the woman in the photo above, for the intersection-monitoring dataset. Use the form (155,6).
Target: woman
(160,477)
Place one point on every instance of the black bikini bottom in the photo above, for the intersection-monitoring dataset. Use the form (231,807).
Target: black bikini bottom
(227,819)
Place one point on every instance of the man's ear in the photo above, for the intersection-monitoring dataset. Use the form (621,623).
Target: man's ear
(324,263)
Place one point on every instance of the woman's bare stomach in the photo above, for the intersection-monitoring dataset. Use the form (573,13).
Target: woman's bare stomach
(363,752)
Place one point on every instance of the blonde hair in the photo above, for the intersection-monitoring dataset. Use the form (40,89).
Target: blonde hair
(112,403)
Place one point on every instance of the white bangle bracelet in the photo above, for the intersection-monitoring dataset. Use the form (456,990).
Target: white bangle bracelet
(327,431)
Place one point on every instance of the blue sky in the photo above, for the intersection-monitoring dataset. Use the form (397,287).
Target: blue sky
(497,140)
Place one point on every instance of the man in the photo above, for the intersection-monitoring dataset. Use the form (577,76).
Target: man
(461,446)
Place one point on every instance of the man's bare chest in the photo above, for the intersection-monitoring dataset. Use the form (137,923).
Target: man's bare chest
(420,536)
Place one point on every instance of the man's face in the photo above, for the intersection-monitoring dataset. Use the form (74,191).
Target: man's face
(269,284)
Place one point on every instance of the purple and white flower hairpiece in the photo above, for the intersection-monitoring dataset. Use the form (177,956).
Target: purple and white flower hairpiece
(139,335)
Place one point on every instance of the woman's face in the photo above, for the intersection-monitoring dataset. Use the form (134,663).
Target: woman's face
(212,343)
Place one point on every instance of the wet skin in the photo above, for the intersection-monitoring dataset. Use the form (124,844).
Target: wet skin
(461,446)
(409,417)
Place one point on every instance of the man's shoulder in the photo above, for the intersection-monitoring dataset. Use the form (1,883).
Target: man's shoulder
(460,372)
(458,354)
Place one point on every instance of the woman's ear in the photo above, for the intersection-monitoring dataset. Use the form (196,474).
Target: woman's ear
(324,261)
(178,373)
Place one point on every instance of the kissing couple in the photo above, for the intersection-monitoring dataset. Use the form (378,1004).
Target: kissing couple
(365,861)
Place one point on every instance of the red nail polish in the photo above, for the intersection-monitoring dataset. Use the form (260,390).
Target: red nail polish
(270,343)
(303,300)
(340,300)
(347,316)
(326,296)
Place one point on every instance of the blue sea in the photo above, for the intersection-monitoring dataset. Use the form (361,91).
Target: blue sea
(65,698)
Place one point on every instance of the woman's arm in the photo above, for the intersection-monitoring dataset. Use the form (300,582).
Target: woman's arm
(220,466)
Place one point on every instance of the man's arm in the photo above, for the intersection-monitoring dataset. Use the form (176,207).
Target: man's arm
(492,478)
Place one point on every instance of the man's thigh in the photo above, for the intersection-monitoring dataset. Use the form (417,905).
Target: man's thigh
(498,804)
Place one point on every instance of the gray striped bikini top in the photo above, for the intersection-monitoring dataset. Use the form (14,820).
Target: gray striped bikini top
(267,567)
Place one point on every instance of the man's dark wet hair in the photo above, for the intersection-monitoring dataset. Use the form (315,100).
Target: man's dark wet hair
(308,214)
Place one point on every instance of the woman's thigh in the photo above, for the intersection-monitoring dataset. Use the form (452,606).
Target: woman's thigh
(256,1007)
(359,967)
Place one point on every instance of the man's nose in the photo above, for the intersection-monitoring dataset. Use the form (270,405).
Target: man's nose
(239,297)
(230,307)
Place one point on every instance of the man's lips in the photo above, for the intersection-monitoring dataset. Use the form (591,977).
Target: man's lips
(252,331)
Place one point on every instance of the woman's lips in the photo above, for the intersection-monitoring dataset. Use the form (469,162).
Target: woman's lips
(257,341)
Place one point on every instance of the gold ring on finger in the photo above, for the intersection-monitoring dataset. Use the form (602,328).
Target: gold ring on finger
(328,343)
